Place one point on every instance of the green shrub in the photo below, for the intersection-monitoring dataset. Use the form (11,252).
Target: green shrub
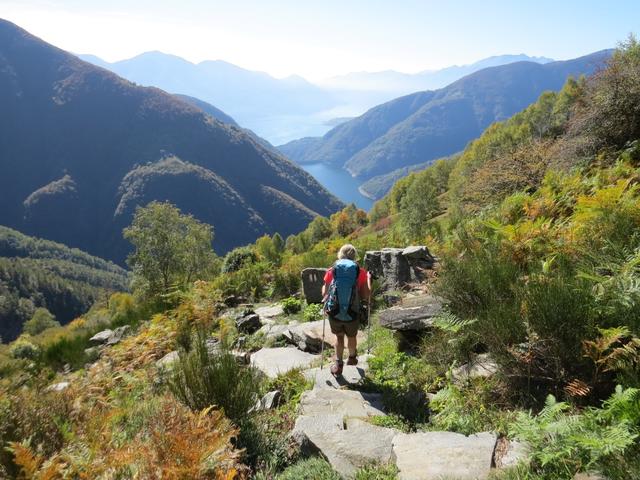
(67,349)
(311,469)
(25,349)
(238,258)
(202,379)
(292,385)
(377,472)
(291,305)
(312,312)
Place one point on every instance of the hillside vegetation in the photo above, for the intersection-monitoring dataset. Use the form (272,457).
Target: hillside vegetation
(106,145)
(36,273)
(538,266)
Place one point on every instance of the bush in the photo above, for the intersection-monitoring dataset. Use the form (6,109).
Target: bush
(202,379)
(310,469)
(23,348)
(238,258)
(312,312)
(291,305)
(377,472)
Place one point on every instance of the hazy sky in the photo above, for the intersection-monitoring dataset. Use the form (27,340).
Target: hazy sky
(328,37)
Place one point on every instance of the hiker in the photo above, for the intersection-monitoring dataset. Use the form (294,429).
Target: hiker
(345,287)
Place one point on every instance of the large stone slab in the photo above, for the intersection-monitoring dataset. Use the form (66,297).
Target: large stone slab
(308,336)
(352,376)
(273,361)
(434,455)
(312,281)
(101,338)
(402,318)
(348,403)
(360,444)
(268,313)
(308,424)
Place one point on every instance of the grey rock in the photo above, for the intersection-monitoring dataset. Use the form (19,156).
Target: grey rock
(359,445)
(269,401)
(397,267)
(512,453)
(312,281)
(273,361)
(168,360)
(101,338)
(482,366)
(348,403)
(588,476)
(352,376)
(308,424)
(213,346)
(416,318)
(118,334)
(231,301)
(249,323)
(267,314)
(92,353)
(58,387)
(434,455)
(241,357)
(308,336)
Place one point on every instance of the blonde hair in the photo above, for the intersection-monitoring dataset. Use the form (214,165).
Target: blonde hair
(347,251)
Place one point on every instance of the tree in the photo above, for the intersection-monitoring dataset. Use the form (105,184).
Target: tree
(278,242)
(171,249)
(319,229)
(267,250)
(419,205)
(39,322)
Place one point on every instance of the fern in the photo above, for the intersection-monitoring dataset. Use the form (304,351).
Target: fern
(451,323)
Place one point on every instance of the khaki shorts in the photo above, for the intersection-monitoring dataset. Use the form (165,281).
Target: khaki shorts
(338,327)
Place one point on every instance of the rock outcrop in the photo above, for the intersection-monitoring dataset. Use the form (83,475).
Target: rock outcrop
(397,267)
(312,281)
(416,317)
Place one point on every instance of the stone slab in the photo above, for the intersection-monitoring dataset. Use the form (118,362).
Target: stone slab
(434,455)
(352,376)
(348,403)
(273,361)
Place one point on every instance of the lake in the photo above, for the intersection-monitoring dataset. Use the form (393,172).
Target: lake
(340,183)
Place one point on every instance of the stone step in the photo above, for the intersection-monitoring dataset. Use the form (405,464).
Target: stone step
(274,361)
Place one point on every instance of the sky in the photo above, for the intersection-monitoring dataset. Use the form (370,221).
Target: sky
(323,38)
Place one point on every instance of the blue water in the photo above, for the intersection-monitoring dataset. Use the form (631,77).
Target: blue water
(340,183)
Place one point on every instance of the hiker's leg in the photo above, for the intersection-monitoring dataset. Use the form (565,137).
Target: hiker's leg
(339,346)
(352,344)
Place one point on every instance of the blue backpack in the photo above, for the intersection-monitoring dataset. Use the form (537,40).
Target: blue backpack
(343,300)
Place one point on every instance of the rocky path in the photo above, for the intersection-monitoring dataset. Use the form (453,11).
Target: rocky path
(334,417)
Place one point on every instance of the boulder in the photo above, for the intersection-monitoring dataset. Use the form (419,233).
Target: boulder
(588,476)
(348,403)
(308,336)
(312,281)
(415,318)
(92,353)
(269,401)
(482,366)
(436,455)
(267,314)
(118,334)
(359,445)
(249,323)
(352,376)
(58,387)
(168,360)
(397,267)
(101,338)
(509,453)
(273,361)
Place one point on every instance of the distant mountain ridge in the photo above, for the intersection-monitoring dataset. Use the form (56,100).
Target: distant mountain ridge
(81,148)
(424,126)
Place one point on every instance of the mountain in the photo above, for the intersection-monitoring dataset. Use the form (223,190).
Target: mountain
(400,83)
(40,273)
(423,126)
(208,109)
(252,98)
(81,148)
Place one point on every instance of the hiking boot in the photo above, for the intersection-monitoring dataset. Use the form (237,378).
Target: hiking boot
(352,360)
(336,368)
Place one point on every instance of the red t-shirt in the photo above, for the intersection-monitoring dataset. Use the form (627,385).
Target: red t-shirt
(362,277)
